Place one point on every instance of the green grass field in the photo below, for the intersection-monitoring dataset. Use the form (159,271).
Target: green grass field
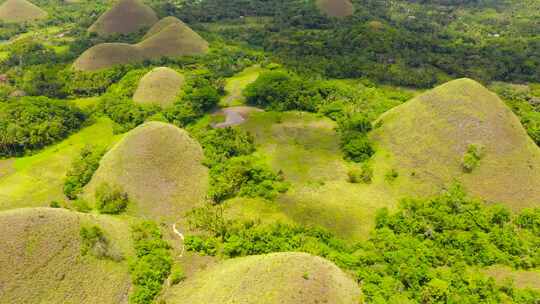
(306,149)
(36,180)
(236,84)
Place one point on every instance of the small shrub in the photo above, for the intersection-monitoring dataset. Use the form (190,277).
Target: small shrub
(472,157)
(94,242)
(391,175)
(110,200)
(364,174)
(55,204)
(177,275)
(81,205)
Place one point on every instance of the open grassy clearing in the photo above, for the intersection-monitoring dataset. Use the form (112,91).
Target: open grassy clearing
(36,180)
(285,278)
(336,8)
(41,258)
(236,84)
(426,140)
(521,278)
(306,149)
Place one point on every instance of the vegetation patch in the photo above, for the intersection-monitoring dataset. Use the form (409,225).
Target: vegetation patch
(472,157)
(336,8)
(420,253)
(110,200)
(81,171)
(153,263)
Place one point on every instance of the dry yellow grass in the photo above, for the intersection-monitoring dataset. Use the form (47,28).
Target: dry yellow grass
(41,261)
(426,138)
(17,11)
(161,86)
(160,167)
(126,16)
(284,278)
(336,8)
(170,38)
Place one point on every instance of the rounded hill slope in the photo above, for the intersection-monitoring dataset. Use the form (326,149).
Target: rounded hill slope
(160,86)
(175,39)
(168,38)
(42,261)
(336,8)
(16,11)
(160,168)
(460,131)
(106,55)
(284,278)
(126,16)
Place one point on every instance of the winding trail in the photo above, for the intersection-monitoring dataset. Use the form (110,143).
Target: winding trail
(235,115)
(177,232)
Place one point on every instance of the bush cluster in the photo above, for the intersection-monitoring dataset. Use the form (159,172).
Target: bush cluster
(81,171)
(354,139)
(94,242)
(152,264)
(110,200)
(472,157)
(34,122)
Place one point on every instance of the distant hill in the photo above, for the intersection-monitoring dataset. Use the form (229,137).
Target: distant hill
(336,8)
(160,86)
(159,166)
(126,16)
(427,139)
(41,258)
(17,11)
(168,38)
(284,278)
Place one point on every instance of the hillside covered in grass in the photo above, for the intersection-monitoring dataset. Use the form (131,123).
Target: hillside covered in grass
(264,152)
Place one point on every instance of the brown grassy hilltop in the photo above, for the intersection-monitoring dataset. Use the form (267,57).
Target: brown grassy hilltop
(168,38)
(427,139)
(284,278)
(41,260)
(161,86)
(336,8)
(16,11)
(126,16)
(159,166)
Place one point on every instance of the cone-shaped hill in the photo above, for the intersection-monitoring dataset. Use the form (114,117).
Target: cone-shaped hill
(168,38)
(160,168)
(17,11)
(42,262)
(284,278)
(460,131)
(161,86)
(126,16)
(172,38)
(336,8)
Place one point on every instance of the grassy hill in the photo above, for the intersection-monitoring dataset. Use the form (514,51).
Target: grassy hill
(41,258)
(174,40)
(159,166)
(18,11)
(336,8)
(285,278)
(106,55)
(160,86)
(168,38)
(126,16)
(426,141)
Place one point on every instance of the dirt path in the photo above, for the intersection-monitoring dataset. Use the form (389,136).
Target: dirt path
(235,116)
(181,236)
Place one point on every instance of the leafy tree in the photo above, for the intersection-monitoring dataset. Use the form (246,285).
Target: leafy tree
(110,200)
(81,171)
